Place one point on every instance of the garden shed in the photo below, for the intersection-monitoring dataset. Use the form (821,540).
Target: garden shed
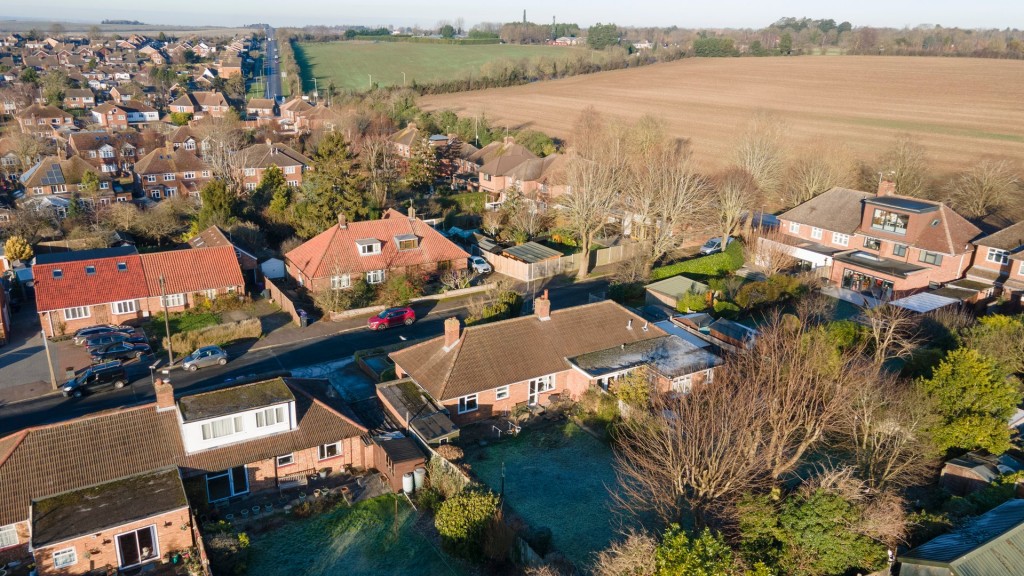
(531,253)
(991,545)
(670,290)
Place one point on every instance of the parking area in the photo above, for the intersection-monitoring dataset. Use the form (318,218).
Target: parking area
(23,369)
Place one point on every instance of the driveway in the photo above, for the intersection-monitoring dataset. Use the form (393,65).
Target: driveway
(23,369)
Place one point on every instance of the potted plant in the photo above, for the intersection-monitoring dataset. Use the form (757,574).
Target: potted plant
(323,472)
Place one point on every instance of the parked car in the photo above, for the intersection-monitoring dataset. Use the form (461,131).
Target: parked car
(120,351)
(392,317)
(203,357)
(103,340)
(479,265)
(715,245)
(85,333)
(93,378)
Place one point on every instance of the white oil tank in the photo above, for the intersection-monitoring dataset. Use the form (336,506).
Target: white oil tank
(407,483)
(420,477)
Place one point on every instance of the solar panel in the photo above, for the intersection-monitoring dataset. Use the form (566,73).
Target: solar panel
(53,175)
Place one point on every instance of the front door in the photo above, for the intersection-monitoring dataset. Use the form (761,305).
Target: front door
(531,399)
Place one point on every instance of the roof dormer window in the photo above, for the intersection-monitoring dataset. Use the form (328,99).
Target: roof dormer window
(122,266)
(407,242)
(90,270)
(368,246)
(58,274)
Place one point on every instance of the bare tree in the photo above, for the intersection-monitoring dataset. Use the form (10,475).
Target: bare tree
(222,137)
(767,252)
(382,166)
(905,163)
(985,188)
(818,168)
(760,153)
(734,195)
(892,331)
(631,556)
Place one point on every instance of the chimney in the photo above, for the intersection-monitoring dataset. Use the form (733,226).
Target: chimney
(412,212)
(164,395)
(62,154)
(886,187)
(542,307)
(342,221)
(451,333)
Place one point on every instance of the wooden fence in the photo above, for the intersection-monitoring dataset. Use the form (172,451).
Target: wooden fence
(563,265)
(281,298)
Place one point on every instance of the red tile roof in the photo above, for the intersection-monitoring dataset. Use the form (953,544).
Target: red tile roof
(334,251)
(192,270)
(76,288)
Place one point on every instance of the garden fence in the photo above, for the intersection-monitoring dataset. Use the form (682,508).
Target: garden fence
(563,265)
(279,296)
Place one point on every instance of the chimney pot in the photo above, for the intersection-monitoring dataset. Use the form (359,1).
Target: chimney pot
(542,307)
(164,395)
(412,212)
(342,221)
(452,332)
(886,187)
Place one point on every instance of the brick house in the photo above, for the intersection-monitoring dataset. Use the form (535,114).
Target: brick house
(542,180)
(261,108)
(40,120)
(184,138)
(141,466)
(372,249)
(166,172)
(55,176)
(214,237)
(79,98)
(113,154)
(880,245)
(500,159)
(253,161)
(403,140)
(121,116)
(488,370)
(999,261)
(200,104)
(118,286)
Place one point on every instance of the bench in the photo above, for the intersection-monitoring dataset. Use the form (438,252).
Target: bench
(294,480)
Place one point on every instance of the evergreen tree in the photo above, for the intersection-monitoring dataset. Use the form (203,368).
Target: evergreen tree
(423,165)
(218,205)
(336,187)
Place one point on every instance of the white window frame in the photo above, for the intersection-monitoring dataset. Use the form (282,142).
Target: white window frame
(840,239)
(150,178)
(289,460)
(321,451)
(369,249)
(250,186)
(6,533)
(275,413)
(77,312)
(341,282)
(545,383)
(172,300)
(815,233)
(997,256)
(169,177)
(289,169)
(205,173)
(188,176)
(124,307)
(236,425)
(501,393)
(465,401)
(794,228)
(156,546)
(683,384)
(250,172)
(68,561)
(374,276)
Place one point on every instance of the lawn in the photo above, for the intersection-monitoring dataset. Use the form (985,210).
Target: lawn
(367,539)
(181,322)
(559,478)
(350,64)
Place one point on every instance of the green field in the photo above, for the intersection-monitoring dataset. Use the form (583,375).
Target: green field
(350,64)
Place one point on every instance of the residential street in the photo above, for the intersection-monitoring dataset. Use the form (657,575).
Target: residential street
(272,68)
(283,350)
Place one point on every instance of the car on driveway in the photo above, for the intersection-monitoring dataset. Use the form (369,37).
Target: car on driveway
(479,265)
(97,377)
(85,333)
(205,356)
(392,317)
(715,245)
(103,340)
(120,351)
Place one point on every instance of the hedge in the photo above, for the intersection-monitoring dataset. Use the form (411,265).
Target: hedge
(710,266)
(429,40)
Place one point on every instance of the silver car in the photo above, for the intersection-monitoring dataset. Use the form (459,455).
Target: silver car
(205,356)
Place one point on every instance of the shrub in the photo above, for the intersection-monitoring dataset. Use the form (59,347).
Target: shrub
(506,305)
(711,266)
(461,520)
(447,481)
(626,292)
(692,302)
(450,452)
(399,290)
(429,498)
(215,335)
(726,309)
(598,408)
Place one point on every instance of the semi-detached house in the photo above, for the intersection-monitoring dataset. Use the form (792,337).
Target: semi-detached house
(999,262)
(118,285)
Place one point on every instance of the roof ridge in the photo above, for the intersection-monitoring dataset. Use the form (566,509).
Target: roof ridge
(455,360)
(324,404)
(945,228)
(22,434)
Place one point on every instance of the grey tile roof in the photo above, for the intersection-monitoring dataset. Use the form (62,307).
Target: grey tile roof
(838,210)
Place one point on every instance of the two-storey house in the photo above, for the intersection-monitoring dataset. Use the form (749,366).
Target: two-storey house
(200,104)
(115,153)
(79,98)
(253,162)
(999,262)
(62,177)
(41,120)
(166,172)
(122,115)
(499,159)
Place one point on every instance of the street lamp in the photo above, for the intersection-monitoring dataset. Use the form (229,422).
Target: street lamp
(152,374)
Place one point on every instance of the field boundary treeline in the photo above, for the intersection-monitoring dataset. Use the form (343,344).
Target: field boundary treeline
(427,40)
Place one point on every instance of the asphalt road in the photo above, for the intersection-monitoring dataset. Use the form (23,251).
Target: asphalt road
(272,71)
(249,364)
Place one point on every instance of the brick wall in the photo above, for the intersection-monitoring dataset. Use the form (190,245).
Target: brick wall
(567,382)
(263,475)
(19,551)
(101,547)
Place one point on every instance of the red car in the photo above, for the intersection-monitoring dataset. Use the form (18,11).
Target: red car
(392,317)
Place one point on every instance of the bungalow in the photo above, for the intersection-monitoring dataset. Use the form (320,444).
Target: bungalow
(254,161)
(372,250)
(999,261)
(488,370)
(39,120)
(261,108)
(117,285)
(147,466)
(166,172)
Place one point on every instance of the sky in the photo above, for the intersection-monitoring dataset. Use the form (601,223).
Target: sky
(718,14)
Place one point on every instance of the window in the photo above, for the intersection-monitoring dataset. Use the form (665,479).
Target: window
(106,153)
(150,177)
(286,460)
(841,239)
(155,194)
(206,173)
(367,247)
(794,228)
(77,313)
(543,384)
(468,404)
(190,144)
(223,427)
(407,244)
(930,258)
(64,558)
(189,175)
(340,282)
(137,547)
(889,221)
(172,191)
(998,256)
(92,153)
(289,169)
(122,266)
(124,307)
(168,177)
(899,249)
(58,274)
(270,416)
(90,270)
(172,300)
(501,393)
(329,451)
(8,536)
(104,185)
(293,183)
(872,243)
(682,384)
(375,277)
(816,233)
(250,186)
(250,171)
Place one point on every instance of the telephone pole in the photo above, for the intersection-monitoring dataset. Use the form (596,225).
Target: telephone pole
(167,321)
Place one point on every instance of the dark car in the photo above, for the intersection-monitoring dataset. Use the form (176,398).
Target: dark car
(392,317)
(85,333)
(93,378)
(103,340)
(120,351)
